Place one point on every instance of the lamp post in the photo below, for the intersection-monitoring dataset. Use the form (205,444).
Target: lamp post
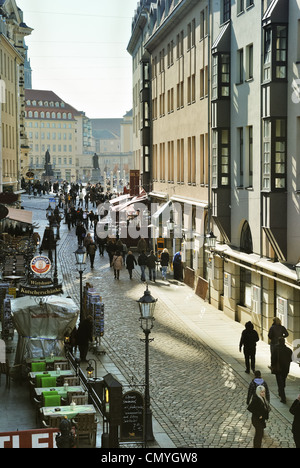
(55,230)
(80,255)
(147,305)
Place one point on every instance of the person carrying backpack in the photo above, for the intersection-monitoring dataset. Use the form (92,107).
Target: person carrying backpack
(258,380)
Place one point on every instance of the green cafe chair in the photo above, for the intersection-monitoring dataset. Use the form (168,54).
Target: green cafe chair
(52,400)
(48,382)
(38,379)
(48,393)
(38,366)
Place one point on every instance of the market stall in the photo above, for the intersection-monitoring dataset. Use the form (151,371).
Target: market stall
(42,325)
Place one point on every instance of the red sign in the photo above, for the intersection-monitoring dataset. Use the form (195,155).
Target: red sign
(37,438)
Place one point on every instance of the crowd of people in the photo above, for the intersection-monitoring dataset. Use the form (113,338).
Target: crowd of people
(258,398)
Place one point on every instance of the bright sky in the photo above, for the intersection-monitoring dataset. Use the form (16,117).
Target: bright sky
(78,50)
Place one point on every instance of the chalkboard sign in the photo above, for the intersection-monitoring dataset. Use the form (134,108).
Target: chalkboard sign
(132,425)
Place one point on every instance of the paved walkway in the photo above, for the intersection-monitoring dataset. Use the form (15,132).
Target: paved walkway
(198,384)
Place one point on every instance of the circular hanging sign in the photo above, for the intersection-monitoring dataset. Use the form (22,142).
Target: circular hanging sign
(3,211)
(40,265)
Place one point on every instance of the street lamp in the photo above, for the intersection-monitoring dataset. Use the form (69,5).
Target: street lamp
(297,268)
(147,305)
(90,369)
(211,240)
(80,255)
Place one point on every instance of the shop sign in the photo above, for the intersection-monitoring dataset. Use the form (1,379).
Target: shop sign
(37,438)
(41,291)
(132,423)
(40,265)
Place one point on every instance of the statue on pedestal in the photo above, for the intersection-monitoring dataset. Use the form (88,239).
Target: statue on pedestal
(48,167)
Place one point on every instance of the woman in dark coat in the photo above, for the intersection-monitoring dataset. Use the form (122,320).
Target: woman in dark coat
(260,409)
(130,262)
(248,340)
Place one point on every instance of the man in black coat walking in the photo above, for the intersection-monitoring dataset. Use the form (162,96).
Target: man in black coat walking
(280,363)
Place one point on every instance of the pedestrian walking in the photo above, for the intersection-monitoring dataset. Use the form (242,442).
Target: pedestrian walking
(151,262)
(295,411)
(177,266)
(84,336)
(142,262)
(117,263)
(91,251)
(164,262)
(260,409)
(80,233)
(280,366)
(130,262)
(276,331)
(258,380)
(248,341)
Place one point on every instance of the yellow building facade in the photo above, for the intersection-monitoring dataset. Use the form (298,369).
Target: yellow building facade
(12,54)
(51,126)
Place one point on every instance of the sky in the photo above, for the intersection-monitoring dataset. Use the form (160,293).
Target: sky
(78,50)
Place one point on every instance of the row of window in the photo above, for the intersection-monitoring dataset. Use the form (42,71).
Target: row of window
(8,136)
(58,148)
(45,103)
(49,136)
(182,161)
(48,115)
(273,169)
(41,161)
(47,125)
(241,5)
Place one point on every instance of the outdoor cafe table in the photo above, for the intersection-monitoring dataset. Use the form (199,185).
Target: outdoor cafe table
(67,411)
(62,373)
(62,391)
(47,360)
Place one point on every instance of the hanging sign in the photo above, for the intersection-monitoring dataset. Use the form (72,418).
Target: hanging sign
(40,265)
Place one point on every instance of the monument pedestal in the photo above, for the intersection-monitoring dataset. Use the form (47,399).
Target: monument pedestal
(95,175)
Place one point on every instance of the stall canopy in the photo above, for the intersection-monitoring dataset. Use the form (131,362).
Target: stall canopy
(42,325)
(22,216)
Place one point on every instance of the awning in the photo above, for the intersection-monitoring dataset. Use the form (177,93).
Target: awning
(121,198)
(277,12)
(22,216)
(222,43)
(121,207)
(190,201)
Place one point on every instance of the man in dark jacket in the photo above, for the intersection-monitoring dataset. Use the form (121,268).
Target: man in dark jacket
(84,335)
(151,262)
(280,361)
(142,261)
(276,331)
(248,340)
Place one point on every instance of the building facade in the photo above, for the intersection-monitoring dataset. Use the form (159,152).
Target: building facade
(216,113)
(14,145)
(52,125)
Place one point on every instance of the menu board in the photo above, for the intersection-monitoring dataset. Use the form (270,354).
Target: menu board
(132,423)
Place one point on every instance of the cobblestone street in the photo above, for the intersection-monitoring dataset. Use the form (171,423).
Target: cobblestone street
(197,397)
